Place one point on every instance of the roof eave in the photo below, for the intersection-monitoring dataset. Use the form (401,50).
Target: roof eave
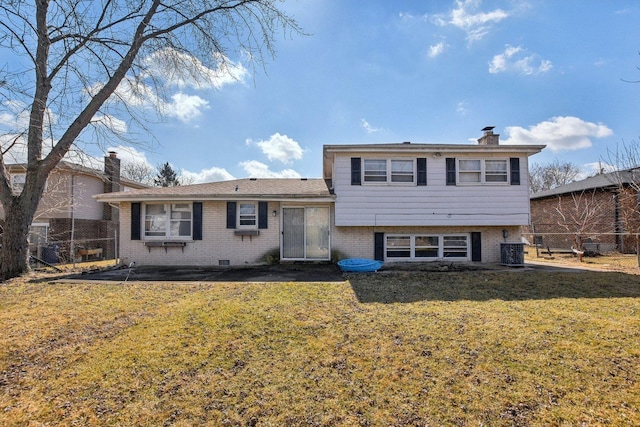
(109,198)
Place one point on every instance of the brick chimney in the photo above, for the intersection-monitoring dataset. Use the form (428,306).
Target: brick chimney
(111,183)
(489,138)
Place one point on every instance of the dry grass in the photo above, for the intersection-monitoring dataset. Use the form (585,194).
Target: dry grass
(627,263)
(395,348)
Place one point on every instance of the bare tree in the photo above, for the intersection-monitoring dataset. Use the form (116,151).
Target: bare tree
(551,175)
(138,172)
(80,65)
(625,160)
(583,215)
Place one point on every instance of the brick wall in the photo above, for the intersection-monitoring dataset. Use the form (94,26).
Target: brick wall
(357,242)
(218,243)
(598,216)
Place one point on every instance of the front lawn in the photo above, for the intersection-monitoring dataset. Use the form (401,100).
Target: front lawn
(393,348)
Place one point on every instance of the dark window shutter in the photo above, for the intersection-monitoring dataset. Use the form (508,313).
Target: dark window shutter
(231,214)
(422,171)
(514,164)
(263,215)
(135,221)
(451,171)
(197,220)
(476,246)
(356,171)
(378,244)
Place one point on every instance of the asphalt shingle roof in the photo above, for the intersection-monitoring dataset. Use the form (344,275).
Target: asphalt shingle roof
(249,188)
(606,180)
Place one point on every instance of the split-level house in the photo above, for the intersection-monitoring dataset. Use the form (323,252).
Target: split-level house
(391,202)
(68,213)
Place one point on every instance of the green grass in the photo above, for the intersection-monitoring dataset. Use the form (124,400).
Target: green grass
(391,349)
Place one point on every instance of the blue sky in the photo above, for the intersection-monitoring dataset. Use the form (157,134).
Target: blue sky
(372,71)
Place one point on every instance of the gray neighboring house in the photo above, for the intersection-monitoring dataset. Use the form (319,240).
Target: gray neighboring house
(67,210)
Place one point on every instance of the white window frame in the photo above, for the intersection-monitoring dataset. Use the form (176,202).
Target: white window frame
(46,231)
(168,221)
(18,184)
(244,216)
(482,172)
(374,177)
(443,250)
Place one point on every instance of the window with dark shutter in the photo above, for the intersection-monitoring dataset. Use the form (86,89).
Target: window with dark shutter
(422,171)
(263,215)
(197,220)
(356,171)
(514,164)
(451,171)
(231,214)
(378,245)
(135,221)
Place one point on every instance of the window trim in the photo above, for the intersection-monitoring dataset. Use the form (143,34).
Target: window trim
(17,187)
(389,171)
(482,171)
(441,247)
(168,208)
(239,214)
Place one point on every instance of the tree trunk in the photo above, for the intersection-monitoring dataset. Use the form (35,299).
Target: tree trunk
(14,255)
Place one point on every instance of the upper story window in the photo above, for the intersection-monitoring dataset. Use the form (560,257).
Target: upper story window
(395,171)
(163,220)
(17,181)
(483,171)
(247,215)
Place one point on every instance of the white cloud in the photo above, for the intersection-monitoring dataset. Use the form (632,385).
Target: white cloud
(110,122)
(256,169)
(367,126)
(558,134)
(436,50)
(213,174)
(182,70)
(176,70)
(466,17)
(280,147)
(128,154)
(590,169)
(186,107)
(462,108)
(515,59)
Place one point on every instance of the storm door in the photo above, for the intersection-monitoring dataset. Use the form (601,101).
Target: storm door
(305,233)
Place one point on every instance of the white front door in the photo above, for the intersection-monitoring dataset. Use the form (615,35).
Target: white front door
(305,233)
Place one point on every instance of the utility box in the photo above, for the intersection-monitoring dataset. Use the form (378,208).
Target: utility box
(512,254)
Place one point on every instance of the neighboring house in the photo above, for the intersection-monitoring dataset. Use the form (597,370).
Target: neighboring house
(599,214)
(393,202)
(67,210)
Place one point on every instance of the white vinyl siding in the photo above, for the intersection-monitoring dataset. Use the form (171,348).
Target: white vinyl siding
(434,205)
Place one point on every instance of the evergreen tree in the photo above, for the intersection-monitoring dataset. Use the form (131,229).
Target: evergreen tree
(166,176)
